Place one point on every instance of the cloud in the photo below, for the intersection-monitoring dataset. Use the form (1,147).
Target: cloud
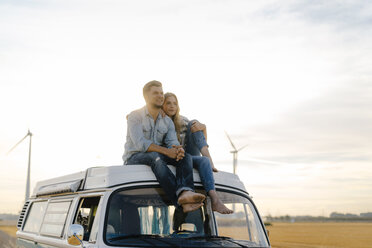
(291,79)
(336,126)
(340,14)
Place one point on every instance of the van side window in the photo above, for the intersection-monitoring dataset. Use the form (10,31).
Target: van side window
(55,218)
(86,214)
(35,216)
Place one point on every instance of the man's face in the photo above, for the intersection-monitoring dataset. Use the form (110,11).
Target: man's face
(155,97)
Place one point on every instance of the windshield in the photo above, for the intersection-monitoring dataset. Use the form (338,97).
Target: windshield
(145,217)
(243,224)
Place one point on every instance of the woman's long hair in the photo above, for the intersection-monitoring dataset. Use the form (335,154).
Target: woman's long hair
(176,118)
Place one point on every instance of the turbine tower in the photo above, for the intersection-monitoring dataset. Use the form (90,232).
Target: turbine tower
(235,153)
(27,195)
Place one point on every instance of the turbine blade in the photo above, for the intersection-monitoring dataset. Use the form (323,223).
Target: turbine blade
(241,148)
(17,144)
(230,141)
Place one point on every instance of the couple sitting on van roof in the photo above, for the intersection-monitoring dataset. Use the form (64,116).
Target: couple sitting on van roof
(156,140)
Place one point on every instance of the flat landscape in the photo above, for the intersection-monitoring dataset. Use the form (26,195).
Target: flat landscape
(321,235)
(9,227)
(8,231)
(282,235)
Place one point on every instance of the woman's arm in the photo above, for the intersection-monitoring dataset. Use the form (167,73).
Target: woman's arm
(197,126)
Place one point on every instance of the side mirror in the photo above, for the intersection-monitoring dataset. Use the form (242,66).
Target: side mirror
(75,235)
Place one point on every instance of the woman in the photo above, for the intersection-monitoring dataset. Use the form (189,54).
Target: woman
(192,136)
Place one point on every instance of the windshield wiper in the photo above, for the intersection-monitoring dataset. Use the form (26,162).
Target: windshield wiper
(140,236)
(208,237)
(143,237)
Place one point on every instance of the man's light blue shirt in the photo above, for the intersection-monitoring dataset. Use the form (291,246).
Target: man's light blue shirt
(142,131)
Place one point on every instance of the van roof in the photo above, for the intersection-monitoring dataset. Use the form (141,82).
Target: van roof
(111,176)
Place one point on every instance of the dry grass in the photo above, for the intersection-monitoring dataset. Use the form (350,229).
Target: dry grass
(321,235)
(236,232)
(9,227)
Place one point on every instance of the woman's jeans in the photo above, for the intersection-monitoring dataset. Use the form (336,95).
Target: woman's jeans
(194,143)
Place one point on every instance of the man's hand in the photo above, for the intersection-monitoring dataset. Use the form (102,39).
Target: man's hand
(197,126)
(180,152)
(172,152)
(176,152)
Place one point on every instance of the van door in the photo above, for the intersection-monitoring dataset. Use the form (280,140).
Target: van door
(86,215)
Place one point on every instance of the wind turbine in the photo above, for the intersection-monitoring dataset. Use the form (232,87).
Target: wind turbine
(235,153)
(27,195)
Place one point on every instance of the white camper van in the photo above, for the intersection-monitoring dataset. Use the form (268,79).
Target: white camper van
(124,206)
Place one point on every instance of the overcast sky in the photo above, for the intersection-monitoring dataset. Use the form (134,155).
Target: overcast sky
(293,79)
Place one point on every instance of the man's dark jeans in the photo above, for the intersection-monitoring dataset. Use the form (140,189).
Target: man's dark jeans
(172,185)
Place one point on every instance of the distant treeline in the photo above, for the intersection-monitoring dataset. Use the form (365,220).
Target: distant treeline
(333,217)
(8,216)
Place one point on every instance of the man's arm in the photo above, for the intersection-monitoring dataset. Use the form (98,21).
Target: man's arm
(169,152)
(170,139)
(135,132)
(144,145)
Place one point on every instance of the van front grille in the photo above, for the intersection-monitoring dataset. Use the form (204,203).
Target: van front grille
(22,215)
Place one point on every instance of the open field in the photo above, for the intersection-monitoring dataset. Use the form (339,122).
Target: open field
(8,227)
(321,235)
(8,231)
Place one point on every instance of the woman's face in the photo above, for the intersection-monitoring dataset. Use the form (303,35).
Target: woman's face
(170,106)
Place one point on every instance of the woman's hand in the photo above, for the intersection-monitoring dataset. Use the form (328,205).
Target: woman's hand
(197,126)
(163,114)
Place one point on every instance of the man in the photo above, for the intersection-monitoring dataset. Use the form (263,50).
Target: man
(152,140)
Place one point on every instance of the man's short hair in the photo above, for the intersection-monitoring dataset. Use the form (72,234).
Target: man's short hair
(148,86)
